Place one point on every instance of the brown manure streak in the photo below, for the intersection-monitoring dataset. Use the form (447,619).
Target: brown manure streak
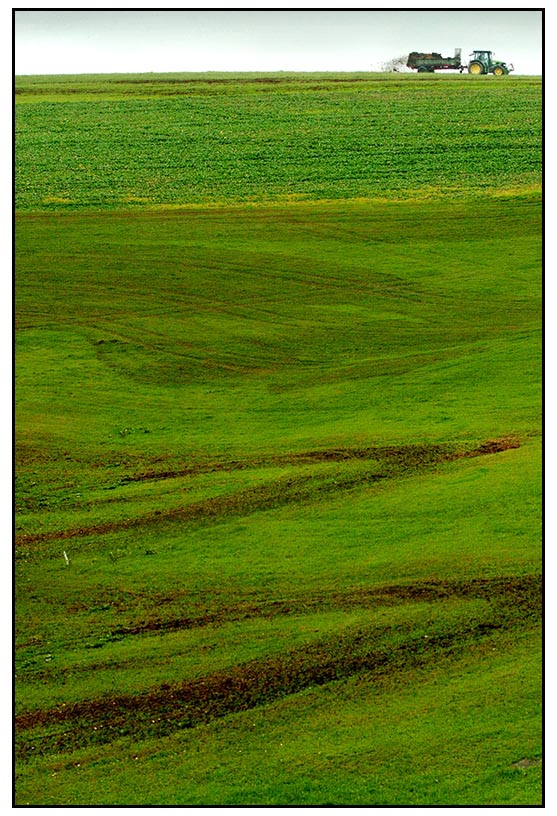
(521,590)
(395,461)
(167,708)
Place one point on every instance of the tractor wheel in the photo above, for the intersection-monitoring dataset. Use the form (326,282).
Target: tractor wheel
(475,68)
(423,70)
(499,70)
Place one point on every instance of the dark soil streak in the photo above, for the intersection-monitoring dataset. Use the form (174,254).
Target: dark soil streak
(515,590)
(395,461)
(406,454)
(261,681)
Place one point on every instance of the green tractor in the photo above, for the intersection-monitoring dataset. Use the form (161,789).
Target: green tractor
(482,62)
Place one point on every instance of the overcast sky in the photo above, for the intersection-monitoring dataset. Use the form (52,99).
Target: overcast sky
(137,40)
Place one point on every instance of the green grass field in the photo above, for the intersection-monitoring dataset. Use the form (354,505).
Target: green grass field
(278,438)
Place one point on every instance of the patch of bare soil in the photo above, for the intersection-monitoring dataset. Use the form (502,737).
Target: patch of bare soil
(526,763)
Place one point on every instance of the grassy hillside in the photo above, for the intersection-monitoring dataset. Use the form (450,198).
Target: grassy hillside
(278,477)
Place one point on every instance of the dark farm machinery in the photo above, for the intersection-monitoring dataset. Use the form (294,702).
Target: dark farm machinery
(481,62)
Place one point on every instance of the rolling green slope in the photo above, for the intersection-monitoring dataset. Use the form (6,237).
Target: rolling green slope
(278,463)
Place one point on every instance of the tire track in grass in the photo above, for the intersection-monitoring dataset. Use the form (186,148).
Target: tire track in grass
(394,461)
(363,597)
(379,652)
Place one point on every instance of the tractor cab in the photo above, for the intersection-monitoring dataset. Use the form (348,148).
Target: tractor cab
(482,56)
